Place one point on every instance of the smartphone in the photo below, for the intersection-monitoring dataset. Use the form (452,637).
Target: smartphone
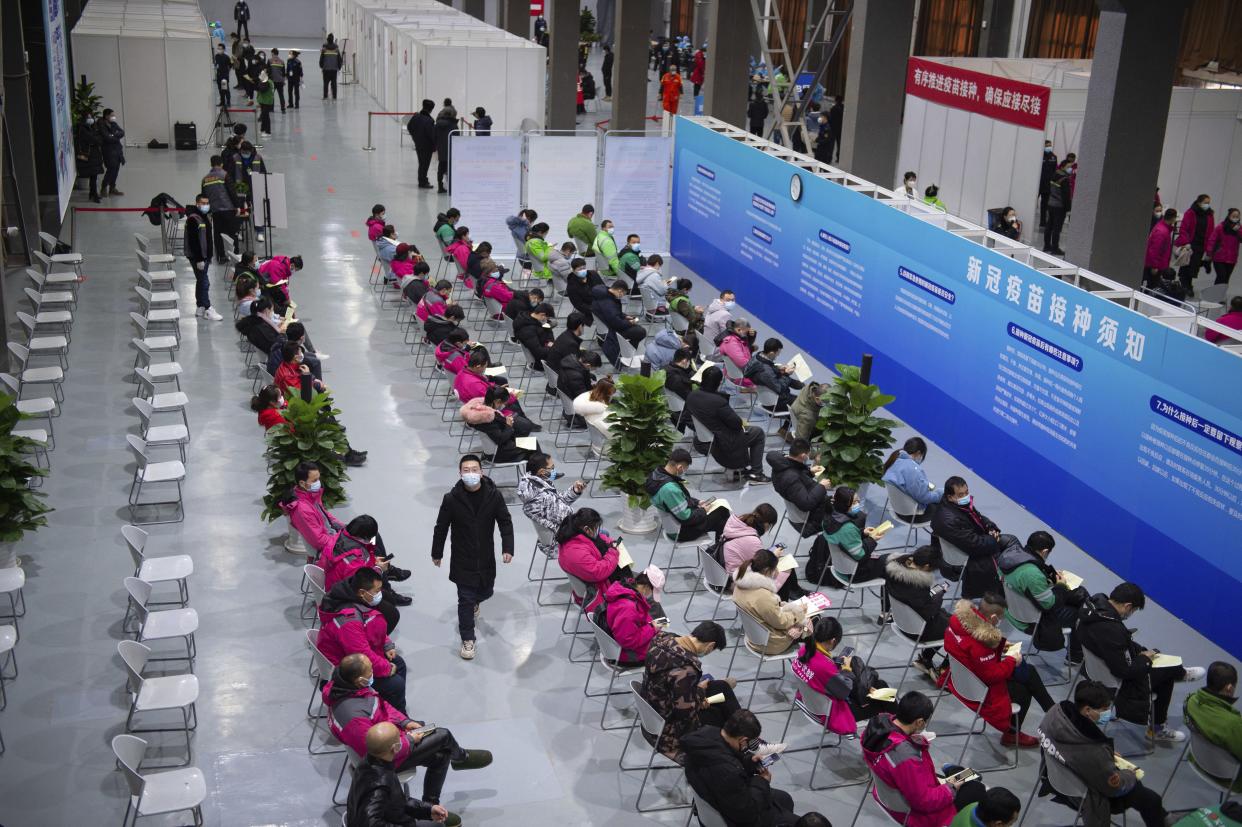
(425,729)
(847,652)
(707,676)
(769,760)
(662,622)
(962,776)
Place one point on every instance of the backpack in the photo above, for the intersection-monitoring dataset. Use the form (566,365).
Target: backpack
(865,680)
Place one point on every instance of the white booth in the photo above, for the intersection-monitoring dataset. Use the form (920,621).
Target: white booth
(137,53)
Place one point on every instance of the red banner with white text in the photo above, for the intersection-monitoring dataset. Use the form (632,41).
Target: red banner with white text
(1004,99)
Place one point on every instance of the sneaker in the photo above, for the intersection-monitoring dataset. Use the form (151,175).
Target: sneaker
(198,311)
(1194,673)
(1167,733)
(354,458)
(258,236)
(467,650)
(758,478)
(472,759)
(883,618)
(116,191)
(321,356)
(398,574)
(926,668)
(399,599)
(211,315)
(1023,740)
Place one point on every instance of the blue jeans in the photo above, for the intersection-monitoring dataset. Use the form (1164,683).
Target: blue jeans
(202,283)
(467,598)
(392,687)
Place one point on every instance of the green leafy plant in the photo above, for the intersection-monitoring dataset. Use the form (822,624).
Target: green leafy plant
(851,440)
(641,435)
(310,433)
(85,102)
(586,21)
(21,509)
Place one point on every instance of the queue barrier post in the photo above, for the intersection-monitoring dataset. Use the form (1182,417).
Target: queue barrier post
(370,147)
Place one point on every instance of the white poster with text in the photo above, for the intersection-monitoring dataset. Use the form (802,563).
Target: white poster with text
(637,174)
(486,176)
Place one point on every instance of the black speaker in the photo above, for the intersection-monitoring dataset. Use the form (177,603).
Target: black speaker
(185,135)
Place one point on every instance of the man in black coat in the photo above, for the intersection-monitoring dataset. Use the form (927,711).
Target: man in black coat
(736,446)
(793,480)
(836,115)
(722,769)
(534,331)
(241,14)
(472,510)
(523,301)
(1047,168)
(446,125)
(679,381)
(376,797)
(957,521)
(569,342)
(606,306)
(199,249)
(422,128)
(574,376)
(579,287)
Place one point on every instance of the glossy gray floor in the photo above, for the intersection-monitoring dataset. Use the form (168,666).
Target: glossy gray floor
(519,698)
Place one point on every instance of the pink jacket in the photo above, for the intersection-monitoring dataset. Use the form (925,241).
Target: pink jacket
(360,710)
(343,555)
(581,558)
(498,290)
(1233,320)
(741,544)
(738,352)
(459,250)
(1190,221)
(905,762)
(816,673)
(275,269)
(629,620)
(1159,246)
(470,385)
(375,229)
(1223,246)
(307,514)
(450,357)
(431,304)
(476,412)
(400,268)
(347,629)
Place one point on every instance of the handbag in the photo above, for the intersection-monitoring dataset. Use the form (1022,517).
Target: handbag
(1181,256)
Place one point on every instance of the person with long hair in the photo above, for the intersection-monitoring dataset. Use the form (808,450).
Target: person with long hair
(754,592)
(911,579)
(593,405)
(589,554)
(834,677)
(628,613)
(904,469)
(743,539)
(846,527)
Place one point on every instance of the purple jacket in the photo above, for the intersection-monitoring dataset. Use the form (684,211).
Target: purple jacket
(307,514)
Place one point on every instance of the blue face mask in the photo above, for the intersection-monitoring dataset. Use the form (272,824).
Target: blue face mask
(555,475)
(729,305)
(1106,716)
(580,273)
(636,248)
(315,486)
(964,501)
(854,509)
(371,681)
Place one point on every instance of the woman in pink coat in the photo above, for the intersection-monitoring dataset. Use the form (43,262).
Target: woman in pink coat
(473,382)
(736,348)
(280,268)
(305,510)
(375,224)
(588,554)
(629,617)
(742,534)
(1222,248)
(459,248)
(821,673)
(494,286)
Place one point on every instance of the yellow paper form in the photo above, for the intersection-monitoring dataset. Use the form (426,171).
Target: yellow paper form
(801,370)
(526,443)
(1071,580)
(698,376)
(623,557)
(786,562)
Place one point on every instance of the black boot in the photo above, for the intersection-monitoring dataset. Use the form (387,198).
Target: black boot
(354,458)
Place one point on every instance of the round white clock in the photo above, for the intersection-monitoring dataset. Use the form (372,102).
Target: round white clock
(795,187)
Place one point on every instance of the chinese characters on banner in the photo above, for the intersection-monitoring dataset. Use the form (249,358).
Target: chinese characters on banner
(1003,99)
(58,86)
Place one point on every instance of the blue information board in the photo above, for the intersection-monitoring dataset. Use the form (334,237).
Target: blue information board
(1117,431)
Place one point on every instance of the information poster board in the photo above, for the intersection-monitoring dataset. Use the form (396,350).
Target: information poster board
(560,179)
(636,189)
(486,174)
(1120,433)
(272,188)
(58,85)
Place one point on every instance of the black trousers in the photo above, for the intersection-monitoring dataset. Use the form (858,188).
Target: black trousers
(424,164)
(1223,272)
(265,117)
(696,527)
(295,93)
(1024,686)
(243,25)
(1147,803)
(224,221)
(717,714)
(1162,681)
(110,174)
(1052,230)
(442,168)
(1186,275)
(280,93)
(1043,209)
(435,752)
(608,84)
(329,79)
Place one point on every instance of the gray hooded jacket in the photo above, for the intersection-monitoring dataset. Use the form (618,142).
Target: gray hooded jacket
(1070,739)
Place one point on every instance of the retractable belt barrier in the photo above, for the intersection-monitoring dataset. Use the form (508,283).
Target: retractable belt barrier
(369,147)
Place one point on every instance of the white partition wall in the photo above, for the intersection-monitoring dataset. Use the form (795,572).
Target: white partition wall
(561,171)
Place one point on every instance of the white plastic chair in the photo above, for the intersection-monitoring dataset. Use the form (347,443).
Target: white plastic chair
(1214,764)
(156,344)
(544,536)
(157,436)
(670,528)
(153,473)
(845,569)
(155,279)
(910,625)
(13,584)
(161,403)
(890,799)
(8,643)
(1094,667)
(59,320)
(51,375)
(714,578)
(490,465)
(609,657)
(321,672)
(814,706)
(1026,611)
(313,577)
(796,518)
(146,256)
(905,511)
(159,694)
(955,557)
(157,793)
(51,257)
(707,815)
(51,297)
(1063,781)
(652,723)
(171,568)
(58,345)
(158,372)
(970,688)
(167,624)
(42,406)
(754,639)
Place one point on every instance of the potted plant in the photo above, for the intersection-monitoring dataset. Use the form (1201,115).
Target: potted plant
(21,509)
(640,438)
(850,438)
(85,102)
(310,433)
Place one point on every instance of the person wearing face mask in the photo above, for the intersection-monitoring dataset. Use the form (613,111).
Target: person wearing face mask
(375,224)
(1159,250)
(627,614)
(975,641)
(473,382)
(568,342)
(269,403)
(223,64)
(904,470)
(294,332)
(241,167)
(631,259)
(435,302)
(667,488)
(355,708)
(88,151)
(796,482)
(276,70)
(359,544)
(199,248)
(661,349)
(743,539)
(582,229)
(460,250)
(604,248)
(352,624)
(488,415)
(1009,225)
(1211,710)
(519,229)
(1047,169)
(294,372)
(437,327)
(1060,202)
(845,526)
(523,301)
(909,185)
(445,226)
(542,503)
(276,270)
(1198,225)
(472,510)
(719,314)
(113,139)
(756,113)
(737,446)
(896,751)
(224,203)
(1071,735)
(1026,571)
(261,327)
(606,307)
(674,685)
(1102,631)
(265,95)
(722,769)
(580,286)
(957,521)
(561,262)
(835,678)
(911,579)
(295,71)
(1222,246)
(241,14)
(589,554)
(652,285)
(376,795)
(538,251)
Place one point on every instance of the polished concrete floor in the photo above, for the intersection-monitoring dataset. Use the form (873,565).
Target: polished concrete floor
(519,698)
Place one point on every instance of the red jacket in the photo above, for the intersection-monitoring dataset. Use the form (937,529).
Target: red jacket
(352,711)
(1233,320)
(269,417)
(1159,246)
(350,628)
(375,229)
(343,555)
(980,646)
(288,377)
(629,620)
(581,558)
(1190,221)
(700,67)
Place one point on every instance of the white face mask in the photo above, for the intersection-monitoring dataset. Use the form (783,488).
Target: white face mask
(472,480)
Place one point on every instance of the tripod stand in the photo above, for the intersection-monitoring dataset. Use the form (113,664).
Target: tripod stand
(223,118)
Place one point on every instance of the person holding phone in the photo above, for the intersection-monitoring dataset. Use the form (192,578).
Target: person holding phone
(628,613)
(589,554)
(834,677)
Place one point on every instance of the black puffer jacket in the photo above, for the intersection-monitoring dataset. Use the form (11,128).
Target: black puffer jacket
(572,378)
(712,410)
(473,517)
(534,335)
(258,332)
(795,483)
(727,780)
(913,587)
(377,799)
(967,529)
(1102,632)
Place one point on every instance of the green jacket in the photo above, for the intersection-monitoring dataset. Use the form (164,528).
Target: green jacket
(850,539)
(1218,720)
(935,201)
(630,262)
(582,229)
(964,817)
(265,93)
(539,251)
(605,249)
(1027,579)
(446,234)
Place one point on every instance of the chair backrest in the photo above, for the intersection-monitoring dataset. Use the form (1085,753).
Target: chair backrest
(316,577)
(675,403)
(668,524)
(10,382)
(1020,606)
(567,402)
(766,396)
(323,666)
(547,536)
(609,649)
(139,449)
(796,515)
(902,502)
(953,555)
(550,376)
(129,751)
(627,350)
(1097,669)
(967,683)
(139,320)
(677,322)
(1214,760)
(140,592)
(714,574)
(816,703)
(34,296)
(144,410)
(134,655)
(21,352)
(43,259)
(489,447)
(144,379)
(909,622)
(651,721)
(136,539)
(756,633)
(49,242)
(141,241)
(579,586)
(891,798)
(731,370)
(27,321)
(708,815)
(1064,780)
(842,563)
(701,431)
(35,276)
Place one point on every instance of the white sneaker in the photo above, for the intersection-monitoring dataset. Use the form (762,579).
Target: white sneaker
(1194,673)
(323,357)
(467,650)
(258,236)
(478,609)
(211,315)
(1167,733)
(265,134)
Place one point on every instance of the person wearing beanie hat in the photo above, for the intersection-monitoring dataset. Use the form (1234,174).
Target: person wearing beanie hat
(422,128)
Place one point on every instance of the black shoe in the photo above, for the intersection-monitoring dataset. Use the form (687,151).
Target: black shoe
(397,574)
(441,190)
(758,478)
(536,427)
(355,459)
(425,185)
(1057,251)
(400,599)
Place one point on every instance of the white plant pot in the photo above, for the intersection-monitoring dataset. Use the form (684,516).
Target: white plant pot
(8,555)
(637,521)
(295,543)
